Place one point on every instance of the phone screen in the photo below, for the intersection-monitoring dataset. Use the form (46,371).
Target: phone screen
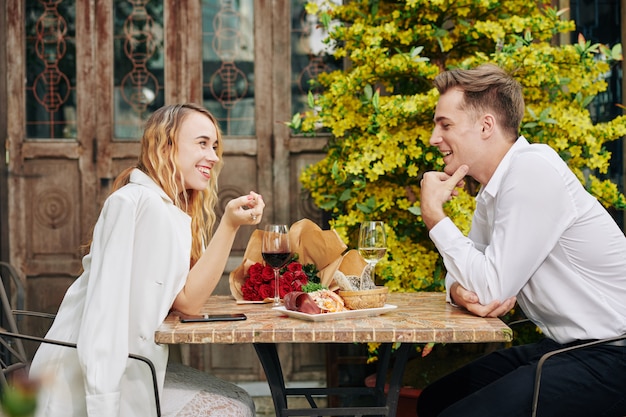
(212,317)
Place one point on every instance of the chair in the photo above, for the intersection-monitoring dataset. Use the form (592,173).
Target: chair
(14,357)
(548,355)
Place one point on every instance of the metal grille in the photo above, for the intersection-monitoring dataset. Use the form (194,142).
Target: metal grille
(138,72)
(50,69)
(228,64)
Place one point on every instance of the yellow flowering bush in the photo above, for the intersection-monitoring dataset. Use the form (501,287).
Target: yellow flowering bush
(378,112)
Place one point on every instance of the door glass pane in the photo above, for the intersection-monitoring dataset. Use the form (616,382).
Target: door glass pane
(138,65)
(309,55)
(50,69)
(228,63)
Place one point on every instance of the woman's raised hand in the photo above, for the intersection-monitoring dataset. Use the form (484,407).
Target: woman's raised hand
(245,210)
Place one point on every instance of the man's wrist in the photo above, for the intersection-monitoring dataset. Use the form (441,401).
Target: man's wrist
(431,219)
(451,293)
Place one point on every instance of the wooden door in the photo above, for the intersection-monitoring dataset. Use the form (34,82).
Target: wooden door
(51,134)
(81,77)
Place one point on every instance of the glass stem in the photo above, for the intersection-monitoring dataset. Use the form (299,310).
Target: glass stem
(373,273)
(276,288)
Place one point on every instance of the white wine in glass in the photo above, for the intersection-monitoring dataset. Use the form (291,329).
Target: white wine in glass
(276,252)
(372,245)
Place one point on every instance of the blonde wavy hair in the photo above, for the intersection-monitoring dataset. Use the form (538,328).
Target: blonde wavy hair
(157,159)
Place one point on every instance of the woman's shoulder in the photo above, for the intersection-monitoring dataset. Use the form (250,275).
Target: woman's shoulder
(140,187)
(133,192)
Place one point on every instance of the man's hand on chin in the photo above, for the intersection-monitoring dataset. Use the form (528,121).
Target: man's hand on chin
(469,300)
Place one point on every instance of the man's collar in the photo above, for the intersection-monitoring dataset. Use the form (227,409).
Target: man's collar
(493,185)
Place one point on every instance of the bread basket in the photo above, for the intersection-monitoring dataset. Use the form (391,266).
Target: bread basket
(357,300)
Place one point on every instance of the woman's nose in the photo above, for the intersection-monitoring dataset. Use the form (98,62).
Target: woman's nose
(211,155)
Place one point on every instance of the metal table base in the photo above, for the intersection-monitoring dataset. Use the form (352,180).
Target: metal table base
(382,405)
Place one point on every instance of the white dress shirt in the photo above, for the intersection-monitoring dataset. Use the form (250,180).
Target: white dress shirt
(539,235)
(138,263)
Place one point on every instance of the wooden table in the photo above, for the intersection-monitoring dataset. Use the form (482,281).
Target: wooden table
(419,318)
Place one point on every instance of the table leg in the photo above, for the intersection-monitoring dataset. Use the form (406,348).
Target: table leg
(268,356)
(395,380)
(384,405)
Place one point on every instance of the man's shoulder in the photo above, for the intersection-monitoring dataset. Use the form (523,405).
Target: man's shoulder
(536,152)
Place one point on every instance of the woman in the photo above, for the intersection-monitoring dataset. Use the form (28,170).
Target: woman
(147,257)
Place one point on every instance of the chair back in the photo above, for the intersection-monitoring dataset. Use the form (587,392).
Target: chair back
(12,353)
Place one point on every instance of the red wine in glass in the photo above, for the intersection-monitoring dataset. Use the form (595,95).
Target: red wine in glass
(276,259)
(276,252)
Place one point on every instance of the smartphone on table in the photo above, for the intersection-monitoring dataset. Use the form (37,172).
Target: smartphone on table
(212,317)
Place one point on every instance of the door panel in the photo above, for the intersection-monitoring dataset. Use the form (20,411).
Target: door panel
(52,215)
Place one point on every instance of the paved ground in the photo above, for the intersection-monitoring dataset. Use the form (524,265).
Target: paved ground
(264,407)
(263,401)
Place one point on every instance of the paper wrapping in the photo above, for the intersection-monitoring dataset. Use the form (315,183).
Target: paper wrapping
(323,248)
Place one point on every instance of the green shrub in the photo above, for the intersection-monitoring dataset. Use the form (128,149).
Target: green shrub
(378,112)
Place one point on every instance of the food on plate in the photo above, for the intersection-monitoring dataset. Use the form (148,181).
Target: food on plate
(316,302)
(328,301)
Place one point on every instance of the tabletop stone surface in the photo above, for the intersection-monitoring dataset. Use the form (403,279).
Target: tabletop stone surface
(420,317)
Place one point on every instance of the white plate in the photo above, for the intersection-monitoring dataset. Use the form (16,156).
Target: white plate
(366,312)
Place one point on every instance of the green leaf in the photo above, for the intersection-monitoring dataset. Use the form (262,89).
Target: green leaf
(415,210)
(296,122)
(415,51)
(368,92)
(311,100)
(330,203)
(313,286)
(345,195)
(325,20)
(616,52)
(374,8)
(365,209)
(376,101)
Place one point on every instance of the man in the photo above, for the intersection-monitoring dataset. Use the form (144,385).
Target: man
(537,238)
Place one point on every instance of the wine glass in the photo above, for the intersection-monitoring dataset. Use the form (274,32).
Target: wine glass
(276,252)
(372,245)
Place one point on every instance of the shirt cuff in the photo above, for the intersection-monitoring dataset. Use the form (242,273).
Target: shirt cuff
(449,282)
(444,234)
(103,405)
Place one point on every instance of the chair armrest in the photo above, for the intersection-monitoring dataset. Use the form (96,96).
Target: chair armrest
(34,314)
(548,355)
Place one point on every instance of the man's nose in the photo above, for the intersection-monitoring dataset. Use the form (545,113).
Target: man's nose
(435,138)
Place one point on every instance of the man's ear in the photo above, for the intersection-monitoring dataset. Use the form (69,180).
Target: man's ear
(488,125)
